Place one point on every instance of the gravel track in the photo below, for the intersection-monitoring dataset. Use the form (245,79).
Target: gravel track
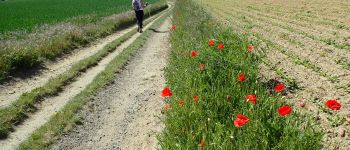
(53,104)
(126,114)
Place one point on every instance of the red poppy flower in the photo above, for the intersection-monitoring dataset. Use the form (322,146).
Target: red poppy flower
(211,42)
(181,102)
(279,87)
(333,104)
(221,46)
(302,104)
(166,106)
(195,98)
(202,67)
(173,27)
(194,54)
(250,48)
(166,92)
(251,98)
(241,77)
(284,110)
(240,120)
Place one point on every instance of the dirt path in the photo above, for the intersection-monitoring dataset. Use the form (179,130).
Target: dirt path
(49,106)
(12,90)
(125,115)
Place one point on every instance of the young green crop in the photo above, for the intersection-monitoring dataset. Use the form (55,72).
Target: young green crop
(26,14)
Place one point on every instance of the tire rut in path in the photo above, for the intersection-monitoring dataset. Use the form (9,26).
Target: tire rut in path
(125,114)
(52,105)
(12,90)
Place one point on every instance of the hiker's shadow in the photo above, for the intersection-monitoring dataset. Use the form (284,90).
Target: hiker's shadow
(157,31)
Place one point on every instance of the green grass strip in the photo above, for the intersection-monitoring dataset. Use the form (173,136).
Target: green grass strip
(20,109)
(67,118)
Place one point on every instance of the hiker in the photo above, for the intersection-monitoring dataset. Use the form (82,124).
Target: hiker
(138,6)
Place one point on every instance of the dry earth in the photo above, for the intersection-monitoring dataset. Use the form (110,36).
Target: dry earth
(126,114)
(308,41)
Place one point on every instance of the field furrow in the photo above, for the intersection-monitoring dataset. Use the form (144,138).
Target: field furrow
(305,55)
(334,37)
(303,17)
(326,13)
(330,40)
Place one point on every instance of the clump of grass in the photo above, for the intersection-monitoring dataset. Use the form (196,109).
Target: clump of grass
(49,42)
(208,121)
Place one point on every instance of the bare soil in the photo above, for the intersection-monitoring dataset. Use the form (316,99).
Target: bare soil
(126,114)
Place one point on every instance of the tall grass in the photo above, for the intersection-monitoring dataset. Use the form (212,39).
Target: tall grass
(53,41)
(208,122)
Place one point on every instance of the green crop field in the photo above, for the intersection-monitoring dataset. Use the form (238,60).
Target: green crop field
(26,14)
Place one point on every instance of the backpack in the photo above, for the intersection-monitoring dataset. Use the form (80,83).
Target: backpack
(136,5)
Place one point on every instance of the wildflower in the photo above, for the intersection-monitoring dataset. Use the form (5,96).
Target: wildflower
(241,77)
(195,98)
(284,110)
(251,98)
(250,48)
(221,46)
(173,27)
(302,104)
(194,54)
(333,104)
(279,87)
(211,42)
(166,106)
(181,102)
(166,92)
(202,67)
(240,120)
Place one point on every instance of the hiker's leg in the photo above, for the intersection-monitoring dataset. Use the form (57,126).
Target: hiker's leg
(137,18)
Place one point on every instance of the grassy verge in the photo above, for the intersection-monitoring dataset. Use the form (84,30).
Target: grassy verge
(33,49)
(18,111)
(207,121)
(67,118)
